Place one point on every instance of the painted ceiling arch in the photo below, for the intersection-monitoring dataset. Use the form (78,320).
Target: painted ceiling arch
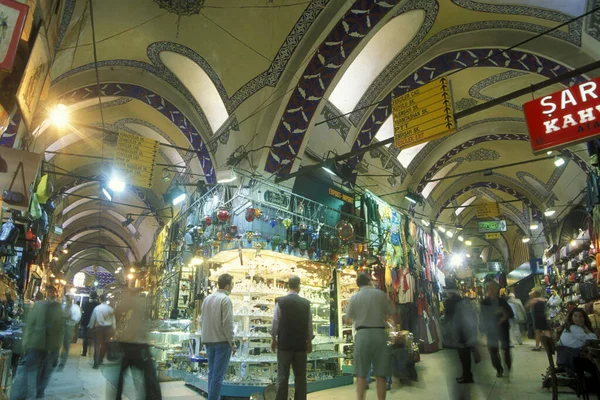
(440,66)
(535,210)
(160,104)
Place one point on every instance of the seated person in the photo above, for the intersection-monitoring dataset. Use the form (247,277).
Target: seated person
(577,331)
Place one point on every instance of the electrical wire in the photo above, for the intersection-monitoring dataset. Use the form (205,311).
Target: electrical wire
(537,36)
(272,6)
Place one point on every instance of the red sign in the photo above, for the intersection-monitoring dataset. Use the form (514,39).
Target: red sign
(564,118)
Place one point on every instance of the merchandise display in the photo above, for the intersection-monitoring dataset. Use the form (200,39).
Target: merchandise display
(257,283)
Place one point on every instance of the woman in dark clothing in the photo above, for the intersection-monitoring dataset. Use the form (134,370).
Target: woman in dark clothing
(86,314)
(537,308)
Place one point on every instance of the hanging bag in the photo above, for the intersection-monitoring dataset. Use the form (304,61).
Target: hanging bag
(13,197)
(35,210)
(44,189)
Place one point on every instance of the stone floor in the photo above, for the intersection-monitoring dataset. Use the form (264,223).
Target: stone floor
(437,373)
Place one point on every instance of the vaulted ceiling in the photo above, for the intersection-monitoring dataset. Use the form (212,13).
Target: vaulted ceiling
(271,74)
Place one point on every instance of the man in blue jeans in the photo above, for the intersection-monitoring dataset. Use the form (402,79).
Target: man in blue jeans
(217,334)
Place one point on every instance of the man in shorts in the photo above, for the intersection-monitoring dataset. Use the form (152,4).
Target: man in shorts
(369,308)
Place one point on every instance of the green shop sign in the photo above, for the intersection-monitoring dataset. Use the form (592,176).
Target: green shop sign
(492,226)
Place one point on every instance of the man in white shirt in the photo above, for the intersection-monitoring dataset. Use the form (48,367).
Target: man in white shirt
(103,325)
(217,334)
(72,315)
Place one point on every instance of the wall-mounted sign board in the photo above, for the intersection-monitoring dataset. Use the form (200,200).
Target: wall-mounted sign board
(342,196)
(487,210)
(423,114)
(492,226)
(493,236)
(564,118)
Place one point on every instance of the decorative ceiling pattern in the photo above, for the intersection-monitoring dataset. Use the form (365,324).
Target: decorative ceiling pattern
(452,61)
(316,78)
(161,105)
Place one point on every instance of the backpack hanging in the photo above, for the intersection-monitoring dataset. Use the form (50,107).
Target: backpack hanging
(16,198)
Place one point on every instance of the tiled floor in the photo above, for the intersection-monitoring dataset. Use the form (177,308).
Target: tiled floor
(437,373)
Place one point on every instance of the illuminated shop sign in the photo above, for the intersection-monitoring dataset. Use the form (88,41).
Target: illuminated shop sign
(564,118)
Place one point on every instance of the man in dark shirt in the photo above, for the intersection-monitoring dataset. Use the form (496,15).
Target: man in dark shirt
(86,314)
(292,335)
(495,315)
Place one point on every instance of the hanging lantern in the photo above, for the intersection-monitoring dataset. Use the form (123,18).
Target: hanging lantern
(287,223)
(279,219)
(223,215)
(250,214)
(302,227)
(309,229)
(345,230)
(228,237)
(273,223)
(276,240)
(233,230)
(266,217)
(314,236)
(257,212)
(303,245)
(219,235)
(207,220)
(249,236)
(268,239)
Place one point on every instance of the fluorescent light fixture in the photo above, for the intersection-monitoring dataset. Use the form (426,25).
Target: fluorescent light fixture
(174,196)
(525,240)
(549,152)
(442,229)
(130,276)
(179,199)
(107,193)
(558,161)
(460,238)
(468,243)
(116,184)
(413,197)
(197,261)
(533,227)
(59,116)
(468,255)
(65,250)
(132,270)
(549,212)
(573,243)
(449,234)
(226,176)
(425,222)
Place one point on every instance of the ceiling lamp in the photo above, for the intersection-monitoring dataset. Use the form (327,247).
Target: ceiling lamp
(460,238)
(226,176)
(525,240)
(174,196)
(449,234)
(329,167)
(116,184)
(425,222)
(468,255)
(533,226)
(442,229)
(413,197)
(468,243)
(549,212)
(128,221)
(59,116)
(559,161)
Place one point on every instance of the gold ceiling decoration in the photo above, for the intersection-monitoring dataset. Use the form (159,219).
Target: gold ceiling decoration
(181,7)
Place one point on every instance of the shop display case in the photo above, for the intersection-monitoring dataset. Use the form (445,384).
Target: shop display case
(173,348)
(256,286)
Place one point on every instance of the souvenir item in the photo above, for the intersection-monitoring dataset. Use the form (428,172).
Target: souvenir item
(223,215)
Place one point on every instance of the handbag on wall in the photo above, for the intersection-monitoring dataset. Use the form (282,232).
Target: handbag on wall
(16,198)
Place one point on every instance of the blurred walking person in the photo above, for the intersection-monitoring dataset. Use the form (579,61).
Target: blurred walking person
(520,316)
(292,335)
(369,308)
(495,316)
(133,340)
(102,322)
(86,315)
(464,332)
(217,334)
(537,308)
(72,316)
(41,340)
